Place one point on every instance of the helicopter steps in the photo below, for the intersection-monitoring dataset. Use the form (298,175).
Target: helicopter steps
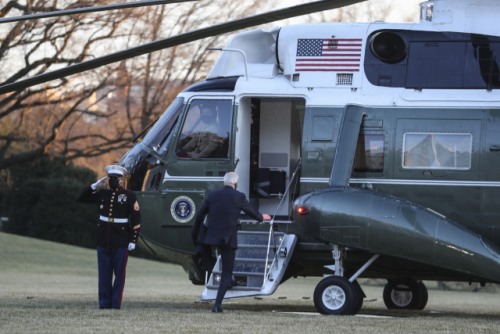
(249,265)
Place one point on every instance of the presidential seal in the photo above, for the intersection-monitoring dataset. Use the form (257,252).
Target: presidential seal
(183,209)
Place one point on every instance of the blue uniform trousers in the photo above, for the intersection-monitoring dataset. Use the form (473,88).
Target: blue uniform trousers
(111,260)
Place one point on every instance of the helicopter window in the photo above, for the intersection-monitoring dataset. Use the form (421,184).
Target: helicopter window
(430,11)
(369,156)
(206,131)
(437,150)
(160,135)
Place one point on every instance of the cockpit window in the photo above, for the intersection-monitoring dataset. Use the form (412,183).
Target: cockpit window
(206,131)
(161,134)
(437,150)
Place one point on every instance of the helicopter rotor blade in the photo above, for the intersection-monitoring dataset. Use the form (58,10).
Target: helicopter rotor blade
(90,9)
(183,38)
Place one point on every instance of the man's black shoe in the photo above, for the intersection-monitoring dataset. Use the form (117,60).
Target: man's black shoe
(104,308)
(236,283)
(217,308)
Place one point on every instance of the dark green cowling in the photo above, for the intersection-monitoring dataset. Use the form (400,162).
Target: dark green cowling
(383,224)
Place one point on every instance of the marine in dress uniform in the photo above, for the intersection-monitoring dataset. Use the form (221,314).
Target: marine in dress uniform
(223,207)
(117,232)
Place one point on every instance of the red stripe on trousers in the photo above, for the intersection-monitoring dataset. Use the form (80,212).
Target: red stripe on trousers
(123,283)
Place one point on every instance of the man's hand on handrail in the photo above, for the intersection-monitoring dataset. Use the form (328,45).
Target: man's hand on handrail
(266,216)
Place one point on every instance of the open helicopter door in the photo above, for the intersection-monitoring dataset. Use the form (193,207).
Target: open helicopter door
(268,148)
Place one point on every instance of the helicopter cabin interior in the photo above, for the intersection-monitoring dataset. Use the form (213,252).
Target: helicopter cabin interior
(268,146)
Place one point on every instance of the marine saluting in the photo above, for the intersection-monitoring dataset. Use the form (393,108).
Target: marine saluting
(116,234)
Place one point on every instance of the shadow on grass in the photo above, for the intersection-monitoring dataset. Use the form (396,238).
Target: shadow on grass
(250,306)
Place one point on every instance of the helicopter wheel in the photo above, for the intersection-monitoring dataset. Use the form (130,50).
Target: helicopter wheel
(425,296)
(405,294)
(358,300)
(336,295)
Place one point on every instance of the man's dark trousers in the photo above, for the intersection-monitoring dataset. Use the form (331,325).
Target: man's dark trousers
(111,260)
(227,256)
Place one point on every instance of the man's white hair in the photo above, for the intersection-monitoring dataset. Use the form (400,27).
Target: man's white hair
(231,178)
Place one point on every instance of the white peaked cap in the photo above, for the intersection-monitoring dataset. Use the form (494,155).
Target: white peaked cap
(115,170)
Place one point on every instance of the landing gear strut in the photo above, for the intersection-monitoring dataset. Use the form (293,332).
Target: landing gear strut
(405,294)
(336,294)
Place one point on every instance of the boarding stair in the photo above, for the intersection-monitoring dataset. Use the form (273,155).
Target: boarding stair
(261,260)
(255,250)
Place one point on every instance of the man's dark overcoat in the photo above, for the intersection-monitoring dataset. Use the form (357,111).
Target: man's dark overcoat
(223,207)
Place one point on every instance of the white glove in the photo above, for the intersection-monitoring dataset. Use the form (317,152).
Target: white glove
(131,246)
(98,183)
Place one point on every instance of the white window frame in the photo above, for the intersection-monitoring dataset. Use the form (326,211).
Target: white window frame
(436,133)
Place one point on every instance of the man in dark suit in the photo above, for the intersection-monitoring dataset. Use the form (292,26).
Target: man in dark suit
(223,207)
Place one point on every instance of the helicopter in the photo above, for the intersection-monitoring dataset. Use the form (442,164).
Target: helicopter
(376,146)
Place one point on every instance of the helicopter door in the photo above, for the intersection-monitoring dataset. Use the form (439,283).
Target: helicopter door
(268,146)
(201,154)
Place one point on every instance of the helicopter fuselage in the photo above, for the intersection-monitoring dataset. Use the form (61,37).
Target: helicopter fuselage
(418,167)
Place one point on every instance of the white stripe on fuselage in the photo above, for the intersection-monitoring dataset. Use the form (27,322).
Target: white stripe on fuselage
(194,178)
(409,182)
(355,181)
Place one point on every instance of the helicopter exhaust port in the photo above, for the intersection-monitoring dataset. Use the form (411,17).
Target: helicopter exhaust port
(389,47)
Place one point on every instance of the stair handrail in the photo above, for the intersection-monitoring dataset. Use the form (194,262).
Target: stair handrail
(271,228)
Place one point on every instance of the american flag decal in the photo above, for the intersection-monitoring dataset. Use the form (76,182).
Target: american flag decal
(328,55)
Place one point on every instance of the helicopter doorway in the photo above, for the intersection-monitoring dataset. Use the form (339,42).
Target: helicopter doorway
(268,146)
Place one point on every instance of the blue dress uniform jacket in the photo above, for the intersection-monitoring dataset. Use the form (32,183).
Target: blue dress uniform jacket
(114,204)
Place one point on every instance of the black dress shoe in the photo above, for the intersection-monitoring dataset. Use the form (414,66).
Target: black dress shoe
(217,308)
(104,308)
(237,283)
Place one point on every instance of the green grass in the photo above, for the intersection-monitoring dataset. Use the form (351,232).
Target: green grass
(159,298)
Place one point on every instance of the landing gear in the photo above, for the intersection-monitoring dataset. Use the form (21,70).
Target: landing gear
(336,294)
(405,294)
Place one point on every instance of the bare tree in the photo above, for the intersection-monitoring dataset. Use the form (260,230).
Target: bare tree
(362,12)
(87,115)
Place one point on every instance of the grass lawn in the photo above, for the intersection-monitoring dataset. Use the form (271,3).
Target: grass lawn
(47,287)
